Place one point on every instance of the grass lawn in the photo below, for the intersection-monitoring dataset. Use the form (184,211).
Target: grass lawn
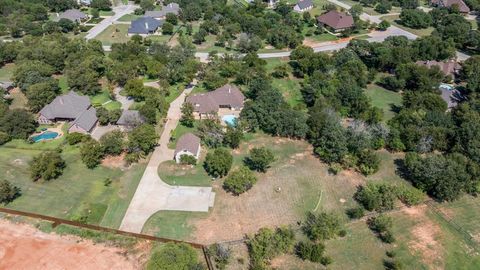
(100,98)
(114,34)
(290,89)
(63,84)
(19,99)
(128,18)
(384,99)
(180,175)
(171,224)
(108,13)
(178,132)
(6,72)
(321,38)
(95,20)
(78,192)
(393,19)
(113,105)
(160,38)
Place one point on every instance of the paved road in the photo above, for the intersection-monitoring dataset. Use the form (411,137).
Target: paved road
(119,12)
(153,195)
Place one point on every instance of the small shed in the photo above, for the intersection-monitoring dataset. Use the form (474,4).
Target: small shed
(187,144)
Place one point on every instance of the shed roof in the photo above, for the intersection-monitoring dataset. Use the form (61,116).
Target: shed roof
(188,142)
(336,19)
(130,117)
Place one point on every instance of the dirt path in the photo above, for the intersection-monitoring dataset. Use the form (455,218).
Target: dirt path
(24,247)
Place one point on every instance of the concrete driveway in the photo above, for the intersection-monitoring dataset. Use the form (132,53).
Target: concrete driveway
(119,11)
(152,194)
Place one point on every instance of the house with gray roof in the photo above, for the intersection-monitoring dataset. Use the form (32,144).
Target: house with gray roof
(144,26)
(187,144)
(227,97)
(130,119)
(172,8)
(73,108)
(303,5)
(462,7)
(73,15)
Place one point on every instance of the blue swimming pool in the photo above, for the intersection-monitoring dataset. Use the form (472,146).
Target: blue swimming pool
(230,120)
(47,135)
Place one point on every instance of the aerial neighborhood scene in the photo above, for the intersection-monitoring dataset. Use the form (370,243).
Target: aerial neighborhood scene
(239,134)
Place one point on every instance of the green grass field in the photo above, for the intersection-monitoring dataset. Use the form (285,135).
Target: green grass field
(114,34)
(6,72)
(171,224)
(78,192)
(384,99)
(179,175)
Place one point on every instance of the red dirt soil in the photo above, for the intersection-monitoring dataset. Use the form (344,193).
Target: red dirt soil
(24,247)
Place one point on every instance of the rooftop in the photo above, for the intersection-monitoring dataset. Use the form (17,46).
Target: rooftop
(336,19)
(188,142)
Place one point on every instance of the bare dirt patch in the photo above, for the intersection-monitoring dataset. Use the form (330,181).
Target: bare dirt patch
(426,234)
(24,247)
(114,161)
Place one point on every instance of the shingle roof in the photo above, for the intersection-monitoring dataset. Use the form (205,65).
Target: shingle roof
(6,84)
(68,106)
(130,117)
(303,4)
(72,15)
(448,67)
(227,95)
(188,142)
(336,19)
(173,8)
(449,3)
(87,119)
(144,25)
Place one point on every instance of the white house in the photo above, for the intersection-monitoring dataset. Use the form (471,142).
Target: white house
(303,5)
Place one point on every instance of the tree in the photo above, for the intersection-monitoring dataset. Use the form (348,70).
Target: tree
(310,251)
(101,4)
(31,72)
(8,192)
(259,159)
(199,37)
(172,256)
(171,18)
(218,162)
(379,197)
(470,72)
(147,4)
(233,137)
(267,244)
(221,255)
(135,89)
(103,116)
(18,124)
(91,153)
(167,28)
(142,139)
(368,162)
(187,118)
(112,142)
(383,25)
(46,166)
(41,94)
(188,160)
(239,181)
(383,7)
(382,225)
(415,18)
(323,226)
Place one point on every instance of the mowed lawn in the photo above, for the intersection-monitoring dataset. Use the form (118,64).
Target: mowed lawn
(393,19)
(6,72)
(116,33)
(384,99)
(78,192)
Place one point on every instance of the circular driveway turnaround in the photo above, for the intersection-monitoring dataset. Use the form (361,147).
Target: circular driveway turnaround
(152,194)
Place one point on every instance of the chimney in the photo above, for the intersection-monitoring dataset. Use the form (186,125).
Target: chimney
(229,89)
(146,26)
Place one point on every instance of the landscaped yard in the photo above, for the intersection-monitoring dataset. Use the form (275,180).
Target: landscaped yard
(114,34)
(78,193)
(128,18)
(384,99)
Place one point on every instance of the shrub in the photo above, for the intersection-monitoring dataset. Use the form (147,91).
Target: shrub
(267,244)
(76,137)
(383,25)
(382,225)
(415,18)
(368,162)
(172,257)
(355,213)
(310,251)
(46,166)
(220,254)
(188,160)
(326,260)
(410,195)
(392,265)
(8,192)
(379,197)
(323,226)
(218,162)
(239,181)
(259,159)
(4,138)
